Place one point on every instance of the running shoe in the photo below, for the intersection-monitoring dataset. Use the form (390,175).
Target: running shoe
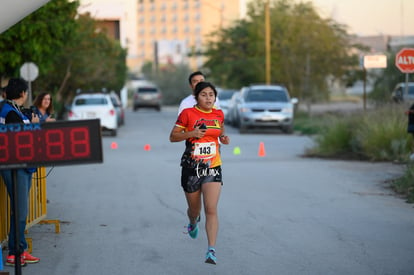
(211,256)
(193,229)
(11,259)
(29,258)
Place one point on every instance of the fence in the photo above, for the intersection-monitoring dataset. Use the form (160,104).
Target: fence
(37,206)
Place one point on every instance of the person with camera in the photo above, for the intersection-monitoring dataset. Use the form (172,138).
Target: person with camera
(11,112)
(44,107)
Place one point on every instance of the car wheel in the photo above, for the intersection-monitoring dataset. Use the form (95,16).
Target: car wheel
(135,108)
(113,132)
(288,129)
(158,108)
(242,128)
(237,123)
(232,121)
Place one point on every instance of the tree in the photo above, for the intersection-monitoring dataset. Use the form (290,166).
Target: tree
(306,50)
(236,58)
(69,49)
(171,79)
(89,61)
(38,37)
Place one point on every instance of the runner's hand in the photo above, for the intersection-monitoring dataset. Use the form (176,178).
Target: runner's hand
(224,139)
(199,133)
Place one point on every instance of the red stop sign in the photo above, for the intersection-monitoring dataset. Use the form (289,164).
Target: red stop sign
(404,60)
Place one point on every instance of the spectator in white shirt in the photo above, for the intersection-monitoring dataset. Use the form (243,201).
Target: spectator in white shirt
(190,101)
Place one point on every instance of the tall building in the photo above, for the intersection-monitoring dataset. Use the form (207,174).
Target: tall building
(163,31)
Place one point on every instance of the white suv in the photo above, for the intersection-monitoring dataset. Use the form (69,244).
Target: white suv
(95,105)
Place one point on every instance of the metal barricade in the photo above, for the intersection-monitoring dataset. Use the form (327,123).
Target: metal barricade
(4,212)
(37,198)
(37,205)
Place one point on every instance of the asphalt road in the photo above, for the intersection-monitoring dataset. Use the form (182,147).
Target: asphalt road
(279,214)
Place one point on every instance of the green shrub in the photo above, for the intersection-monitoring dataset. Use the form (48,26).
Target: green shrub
(335,139)
(382,134)
(307,125)
(405,184)
(378,135)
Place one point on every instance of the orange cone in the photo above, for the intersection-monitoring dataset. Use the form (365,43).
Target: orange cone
(262,152)
(147,147)
(114,145)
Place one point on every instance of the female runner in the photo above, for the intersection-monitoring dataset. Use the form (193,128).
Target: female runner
(201,127)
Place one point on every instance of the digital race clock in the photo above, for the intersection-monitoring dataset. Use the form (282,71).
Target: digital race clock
(51,143)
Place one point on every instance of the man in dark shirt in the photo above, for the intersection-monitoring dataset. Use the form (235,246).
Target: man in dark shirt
(410,113)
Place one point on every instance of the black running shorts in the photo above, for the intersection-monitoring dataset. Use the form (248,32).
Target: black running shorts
(192,179)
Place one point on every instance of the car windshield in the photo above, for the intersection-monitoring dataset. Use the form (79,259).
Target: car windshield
(147,90)
(91,101)
(115,101)
(224,95)
(266,96)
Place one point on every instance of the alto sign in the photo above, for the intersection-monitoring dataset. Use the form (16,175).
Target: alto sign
(404,60)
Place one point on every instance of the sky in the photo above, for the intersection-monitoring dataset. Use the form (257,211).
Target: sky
(367,17)
(370,17)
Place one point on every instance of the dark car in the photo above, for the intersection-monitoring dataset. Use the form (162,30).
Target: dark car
(147,96)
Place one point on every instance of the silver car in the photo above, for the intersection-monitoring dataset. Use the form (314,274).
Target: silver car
(147,96)
(267,106)
(231,116)
(224,95)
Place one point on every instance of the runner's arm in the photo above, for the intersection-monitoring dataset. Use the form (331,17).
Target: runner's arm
(179,134)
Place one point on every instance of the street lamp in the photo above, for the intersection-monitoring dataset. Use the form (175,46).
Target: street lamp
(267,42)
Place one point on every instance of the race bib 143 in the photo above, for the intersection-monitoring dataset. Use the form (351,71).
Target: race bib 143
(204,150)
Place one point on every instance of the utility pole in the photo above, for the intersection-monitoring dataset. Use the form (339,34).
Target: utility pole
(267,42)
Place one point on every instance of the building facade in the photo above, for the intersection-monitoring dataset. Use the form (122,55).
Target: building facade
(163,31)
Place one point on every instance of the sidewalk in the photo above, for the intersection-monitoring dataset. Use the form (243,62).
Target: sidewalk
(343,106)
(333,107)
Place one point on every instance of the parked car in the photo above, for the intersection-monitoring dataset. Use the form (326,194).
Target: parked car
(119,108)
(95,105)
(147,96)
(399,94)
(231,117)
(267,106)
(224,95)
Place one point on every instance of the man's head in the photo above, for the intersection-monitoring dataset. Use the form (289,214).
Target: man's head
(15,88)
(194,78)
